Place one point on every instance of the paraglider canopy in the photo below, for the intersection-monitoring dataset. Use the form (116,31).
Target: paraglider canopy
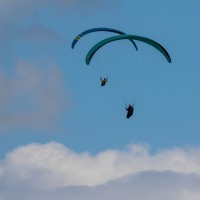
(151,42)
(77,38)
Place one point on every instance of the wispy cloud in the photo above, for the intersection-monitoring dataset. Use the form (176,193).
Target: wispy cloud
(23,7)
(52,171)
(32,93)
(38,33)
(33,97)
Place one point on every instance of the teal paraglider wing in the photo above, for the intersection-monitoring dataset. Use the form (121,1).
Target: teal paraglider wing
(77,38)
(100,44)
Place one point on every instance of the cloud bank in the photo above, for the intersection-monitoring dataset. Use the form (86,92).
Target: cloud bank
(52,171)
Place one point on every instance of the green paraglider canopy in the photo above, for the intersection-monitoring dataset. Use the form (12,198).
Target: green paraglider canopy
(151,42)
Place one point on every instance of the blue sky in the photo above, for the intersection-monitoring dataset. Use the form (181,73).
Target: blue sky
(50,99)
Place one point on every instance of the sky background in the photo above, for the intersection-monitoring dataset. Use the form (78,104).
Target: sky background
(63,136)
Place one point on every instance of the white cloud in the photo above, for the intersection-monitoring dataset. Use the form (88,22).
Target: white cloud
(52,171)
(65,167)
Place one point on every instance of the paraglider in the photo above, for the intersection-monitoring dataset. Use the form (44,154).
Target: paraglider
(100,44)
(103,81)
(100,29)
(77,38)
(159,47)
(130,110)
